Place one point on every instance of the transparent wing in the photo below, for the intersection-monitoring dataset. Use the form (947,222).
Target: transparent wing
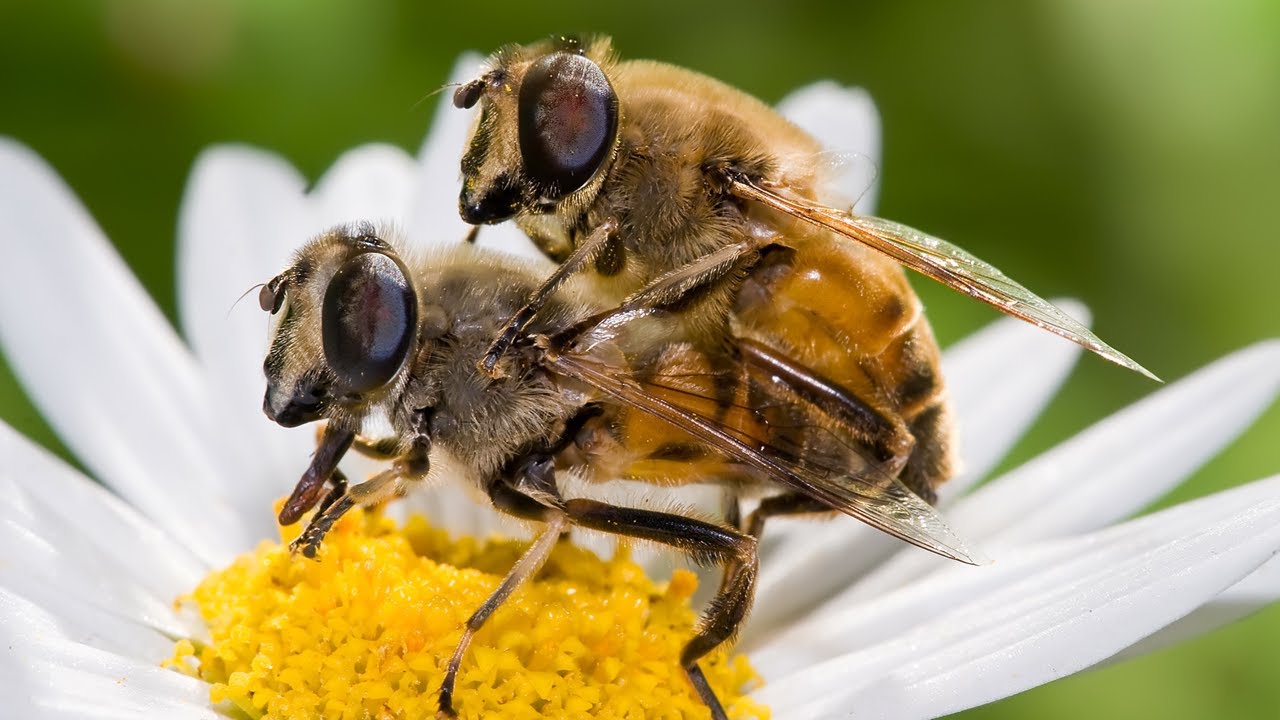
(951,265)
(871,496)
(848,180)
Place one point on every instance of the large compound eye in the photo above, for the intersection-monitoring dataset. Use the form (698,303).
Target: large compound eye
(367,321)
(568,122)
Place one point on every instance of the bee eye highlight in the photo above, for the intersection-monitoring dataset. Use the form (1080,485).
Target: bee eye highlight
(367,321)
(568,122)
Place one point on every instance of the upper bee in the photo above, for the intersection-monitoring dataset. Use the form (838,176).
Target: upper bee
(548,124)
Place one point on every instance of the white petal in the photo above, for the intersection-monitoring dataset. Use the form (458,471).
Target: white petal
(1037,615)
(1110,470)
(434,215)
(1260,589)
(45,675)
(847,124)
(18,619)
(85,556)
(242,217)
(54,501)
(371,182)
(83,618)
(103,365)
(1000,378)
(507,238)
(1123,463)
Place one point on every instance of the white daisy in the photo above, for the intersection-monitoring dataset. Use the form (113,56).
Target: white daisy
(846,621)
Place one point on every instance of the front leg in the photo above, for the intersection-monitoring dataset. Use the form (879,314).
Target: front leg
(580,257)
(412,465)
(334,443)
(382,449)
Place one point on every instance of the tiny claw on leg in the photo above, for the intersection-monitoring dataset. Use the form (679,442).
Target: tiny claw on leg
(380,487)
(488,367)
(308,543)
(489,364)
(446,711)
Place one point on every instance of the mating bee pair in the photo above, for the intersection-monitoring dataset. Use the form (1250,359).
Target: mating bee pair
(710,321)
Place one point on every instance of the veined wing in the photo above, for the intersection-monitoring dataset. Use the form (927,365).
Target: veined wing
(871,496)
(951,265)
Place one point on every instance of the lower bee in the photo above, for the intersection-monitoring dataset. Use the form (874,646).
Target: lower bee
(364,333)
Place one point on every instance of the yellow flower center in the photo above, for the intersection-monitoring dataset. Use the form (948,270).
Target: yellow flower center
(366,632)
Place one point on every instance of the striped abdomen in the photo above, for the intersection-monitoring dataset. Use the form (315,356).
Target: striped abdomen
(848,316)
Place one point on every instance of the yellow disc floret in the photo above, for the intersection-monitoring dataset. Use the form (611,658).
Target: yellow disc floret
(366,632)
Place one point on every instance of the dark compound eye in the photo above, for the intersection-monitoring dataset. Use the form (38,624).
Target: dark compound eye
(368,318)
(568,122)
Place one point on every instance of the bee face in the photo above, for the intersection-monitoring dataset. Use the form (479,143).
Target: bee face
(548,125)
(346,318)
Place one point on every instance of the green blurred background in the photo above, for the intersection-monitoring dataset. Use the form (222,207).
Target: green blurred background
(1124,153)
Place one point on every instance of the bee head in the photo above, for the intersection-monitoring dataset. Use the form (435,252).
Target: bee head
(345,317)
(548,126)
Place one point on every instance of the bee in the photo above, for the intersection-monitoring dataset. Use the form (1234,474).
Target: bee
(629,171)
(366,333)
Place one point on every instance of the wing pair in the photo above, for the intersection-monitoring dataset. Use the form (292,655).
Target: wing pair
(950,265)
(867,494)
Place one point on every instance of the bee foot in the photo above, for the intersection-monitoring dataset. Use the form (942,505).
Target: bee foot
(490,368)
(446,711)
(308,544)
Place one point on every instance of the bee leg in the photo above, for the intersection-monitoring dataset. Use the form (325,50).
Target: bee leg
(707,543)
(384,449)
(782,506)
(376,489)
(884,432)
(582,255)
(384,486)
(731,507)
(333,445)
(339,482)
(680,286)
(538,474)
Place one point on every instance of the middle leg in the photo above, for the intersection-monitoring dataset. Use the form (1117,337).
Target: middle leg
(708,544)
(786,504)
(530,493)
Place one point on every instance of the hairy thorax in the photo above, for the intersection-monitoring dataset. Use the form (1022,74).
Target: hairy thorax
(482,421)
